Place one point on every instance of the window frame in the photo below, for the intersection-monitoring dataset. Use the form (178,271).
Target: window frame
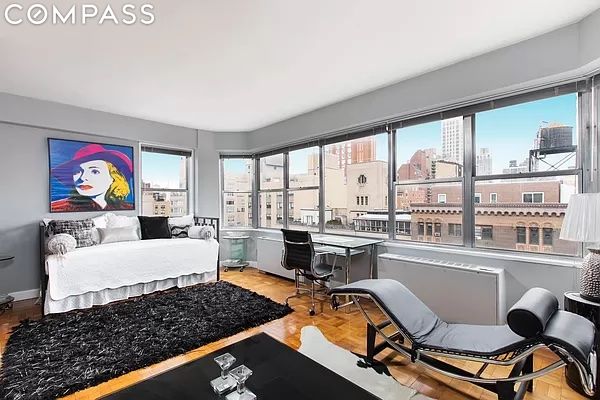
(532,194)
(468,111)
(224,193)
(189,171)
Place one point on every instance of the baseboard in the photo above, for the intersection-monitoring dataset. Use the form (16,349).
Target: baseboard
(25,294)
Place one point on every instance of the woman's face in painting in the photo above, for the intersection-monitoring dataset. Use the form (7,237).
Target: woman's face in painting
(92,178)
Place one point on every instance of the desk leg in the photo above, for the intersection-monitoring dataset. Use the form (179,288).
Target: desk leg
(348,264)
(373,264)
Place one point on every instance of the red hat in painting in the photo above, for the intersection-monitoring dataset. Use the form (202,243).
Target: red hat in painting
(64,172)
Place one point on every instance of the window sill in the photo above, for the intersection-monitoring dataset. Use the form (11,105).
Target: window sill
(544,259)
(541,259)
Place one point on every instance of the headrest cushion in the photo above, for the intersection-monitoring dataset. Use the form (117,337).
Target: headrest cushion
(529,316)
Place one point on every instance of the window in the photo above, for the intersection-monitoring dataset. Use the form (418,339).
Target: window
(517,144)
(484,232)
(270,195)
(402,225)
(357,169)
(437,229)
(303,193)
(429,227)
(521,235)
(454,229)
(523,173)
(548,236)
(426,153)
(421,155)
(165,181)
(537,197)
(421,229)
(534,235)
(237,192)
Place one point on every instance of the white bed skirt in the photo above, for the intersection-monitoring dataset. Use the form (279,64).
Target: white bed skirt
(106,296)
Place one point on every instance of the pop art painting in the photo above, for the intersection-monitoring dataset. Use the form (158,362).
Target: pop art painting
(88,176)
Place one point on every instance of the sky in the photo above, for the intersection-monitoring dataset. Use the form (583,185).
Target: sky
(508,132)
(162,170)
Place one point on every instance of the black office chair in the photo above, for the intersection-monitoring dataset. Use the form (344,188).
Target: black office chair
(299,255)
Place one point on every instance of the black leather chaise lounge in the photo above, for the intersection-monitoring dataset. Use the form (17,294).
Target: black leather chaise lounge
(413,330)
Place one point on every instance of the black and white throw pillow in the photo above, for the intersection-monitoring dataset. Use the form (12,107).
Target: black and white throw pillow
(81,230)
(179,231)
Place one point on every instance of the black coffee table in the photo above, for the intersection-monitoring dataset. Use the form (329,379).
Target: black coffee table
(279,373)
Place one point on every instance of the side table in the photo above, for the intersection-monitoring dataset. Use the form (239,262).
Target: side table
(237,252)
(6,301)
(590,310)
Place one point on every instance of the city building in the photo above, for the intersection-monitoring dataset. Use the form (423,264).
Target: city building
(418,167)
(452,139)
(516,168)
(366,187)
(483,161)
(353,152)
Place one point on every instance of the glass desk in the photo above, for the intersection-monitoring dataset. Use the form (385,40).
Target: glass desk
(349,246)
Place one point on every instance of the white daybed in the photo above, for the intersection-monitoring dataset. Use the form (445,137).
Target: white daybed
(101,274)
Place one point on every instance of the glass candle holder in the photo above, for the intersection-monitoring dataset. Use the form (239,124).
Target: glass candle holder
(241,374)
(225,382)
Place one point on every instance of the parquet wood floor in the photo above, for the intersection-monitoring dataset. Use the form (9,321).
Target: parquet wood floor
(343,328)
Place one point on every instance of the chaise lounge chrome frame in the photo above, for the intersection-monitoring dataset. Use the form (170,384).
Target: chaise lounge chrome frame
(521,359)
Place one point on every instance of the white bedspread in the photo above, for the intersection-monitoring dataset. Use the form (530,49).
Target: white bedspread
(114,265)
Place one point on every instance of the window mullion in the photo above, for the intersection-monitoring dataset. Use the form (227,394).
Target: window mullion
(285,190)
(468,183)
(321,189)
(391,184)
(256,194)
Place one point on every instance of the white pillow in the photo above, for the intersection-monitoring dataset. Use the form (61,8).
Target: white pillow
(114,235)
(186,220)
(121,221)
(61,244)
(99,222)
(201,232)
(194,232)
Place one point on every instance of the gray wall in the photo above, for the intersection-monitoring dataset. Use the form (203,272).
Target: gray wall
(25,125)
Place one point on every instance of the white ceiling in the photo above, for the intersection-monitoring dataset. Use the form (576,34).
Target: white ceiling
(238,65)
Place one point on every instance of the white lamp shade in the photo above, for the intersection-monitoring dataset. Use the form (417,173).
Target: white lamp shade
(582,219)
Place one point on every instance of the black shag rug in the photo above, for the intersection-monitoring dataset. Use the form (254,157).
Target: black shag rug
(64,353)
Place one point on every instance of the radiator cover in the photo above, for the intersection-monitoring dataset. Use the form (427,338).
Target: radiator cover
(458,293)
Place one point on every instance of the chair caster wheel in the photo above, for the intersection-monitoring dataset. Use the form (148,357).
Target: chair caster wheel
(225,269)
(242,269)
(311,313)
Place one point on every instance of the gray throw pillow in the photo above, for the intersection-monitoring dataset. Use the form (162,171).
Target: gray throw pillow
(81,230)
